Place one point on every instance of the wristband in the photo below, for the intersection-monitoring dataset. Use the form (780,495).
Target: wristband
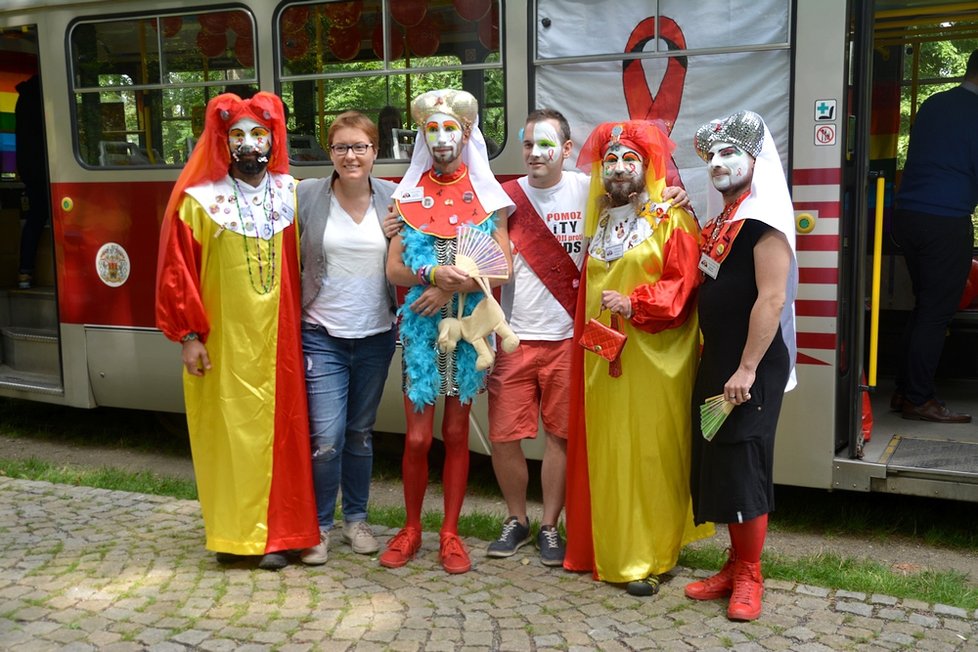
(188,337)
(423,275)
(431,275)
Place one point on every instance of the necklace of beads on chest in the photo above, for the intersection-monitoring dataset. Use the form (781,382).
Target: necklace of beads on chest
(721,221)
(266,264)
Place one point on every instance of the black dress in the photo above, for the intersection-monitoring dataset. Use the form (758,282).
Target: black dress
(731,476)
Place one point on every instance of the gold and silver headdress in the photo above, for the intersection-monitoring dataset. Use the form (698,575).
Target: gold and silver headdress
(461,105)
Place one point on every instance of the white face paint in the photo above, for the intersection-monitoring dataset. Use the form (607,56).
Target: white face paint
(543,152)
(622,161)
(624,173)
(444,136)
(731,168)
(246,136)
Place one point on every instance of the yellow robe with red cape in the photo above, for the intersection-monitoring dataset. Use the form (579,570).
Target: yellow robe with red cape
(628,510)
(247,415)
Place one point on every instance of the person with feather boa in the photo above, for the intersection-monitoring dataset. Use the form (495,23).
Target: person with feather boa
(448,184)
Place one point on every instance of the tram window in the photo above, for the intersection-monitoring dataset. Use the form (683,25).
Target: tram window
(334,57)
(141,84)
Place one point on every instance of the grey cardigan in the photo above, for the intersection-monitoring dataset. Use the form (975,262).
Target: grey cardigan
(313,199)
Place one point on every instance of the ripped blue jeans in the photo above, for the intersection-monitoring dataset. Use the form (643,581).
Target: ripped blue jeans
(345,380)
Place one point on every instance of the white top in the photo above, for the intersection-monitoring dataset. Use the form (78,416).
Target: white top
(537,315)
(353,302)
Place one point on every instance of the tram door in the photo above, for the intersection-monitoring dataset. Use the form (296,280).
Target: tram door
(30,364)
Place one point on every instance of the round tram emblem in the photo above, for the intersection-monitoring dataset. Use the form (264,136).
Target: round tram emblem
(112,264)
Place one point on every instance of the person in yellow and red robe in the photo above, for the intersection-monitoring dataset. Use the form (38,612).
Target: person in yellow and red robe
(228,290)
(628,452)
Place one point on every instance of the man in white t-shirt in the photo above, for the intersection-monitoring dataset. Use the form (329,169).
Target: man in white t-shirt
(532,384)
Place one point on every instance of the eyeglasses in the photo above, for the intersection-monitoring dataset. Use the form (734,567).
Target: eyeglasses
(342,148)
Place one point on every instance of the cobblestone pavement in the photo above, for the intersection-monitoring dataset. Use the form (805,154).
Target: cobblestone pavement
(91,569)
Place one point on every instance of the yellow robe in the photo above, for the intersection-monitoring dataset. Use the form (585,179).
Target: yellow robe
(247,416)
(637,426)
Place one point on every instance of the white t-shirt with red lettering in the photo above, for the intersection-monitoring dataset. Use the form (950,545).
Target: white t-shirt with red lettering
(536,314)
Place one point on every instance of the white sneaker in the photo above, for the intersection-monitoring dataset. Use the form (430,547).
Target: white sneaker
(318,554)
(360,537)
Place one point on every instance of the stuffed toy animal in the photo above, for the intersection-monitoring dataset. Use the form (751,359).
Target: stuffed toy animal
(487,318)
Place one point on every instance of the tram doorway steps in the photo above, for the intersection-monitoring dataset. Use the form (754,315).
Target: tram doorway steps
(932,458)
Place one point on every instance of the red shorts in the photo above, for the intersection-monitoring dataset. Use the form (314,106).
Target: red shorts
(531,382)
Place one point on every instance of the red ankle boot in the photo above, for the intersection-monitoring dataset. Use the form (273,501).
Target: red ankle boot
(715,586)
(748,587)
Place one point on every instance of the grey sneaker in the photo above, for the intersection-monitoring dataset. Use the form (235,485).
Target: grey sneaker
(360,537)
(551,546)
(514,536)
(318,554)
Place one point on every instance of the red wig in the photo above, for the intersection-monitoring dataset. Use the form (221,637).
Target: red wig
(211,158)
(646,137)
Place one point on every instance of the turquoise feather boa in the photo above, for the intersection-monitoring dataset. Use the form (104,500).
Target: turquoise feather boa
(419,333)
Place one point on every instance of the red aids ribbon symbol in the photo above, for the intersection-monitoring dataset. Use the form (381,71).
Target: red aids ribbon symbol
(638,96)
(641,104)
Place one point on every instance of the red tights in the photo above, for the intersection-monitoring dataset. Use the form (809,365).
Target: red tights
(414,466)
(747,539)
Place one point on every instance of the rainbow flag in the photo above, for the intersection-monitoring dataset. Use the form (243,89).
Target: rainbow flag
(15,67)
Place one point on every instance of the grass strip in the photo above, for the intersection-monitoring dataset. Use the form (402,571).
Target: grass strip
(142,482)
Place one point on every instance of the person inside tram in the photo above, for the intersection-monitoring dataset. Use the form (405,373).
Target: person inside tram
(388,123)
(32,170)
(932,225)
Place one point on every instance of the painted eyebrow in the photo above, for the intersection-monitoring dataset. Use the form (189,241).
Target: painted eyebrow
(547,142)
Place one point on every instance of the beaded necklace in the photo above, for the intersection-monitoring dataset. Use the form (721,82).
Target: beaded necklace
(720,229)
(266,277)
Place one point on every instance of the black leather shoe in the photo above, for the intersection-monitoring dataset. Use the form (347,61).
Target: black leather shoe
(933,410)
(227,558)
(897,401)
(273,561)
(643,588)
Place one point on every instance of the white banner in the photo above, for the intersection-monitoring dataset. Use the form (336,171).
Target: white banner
(684,91)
